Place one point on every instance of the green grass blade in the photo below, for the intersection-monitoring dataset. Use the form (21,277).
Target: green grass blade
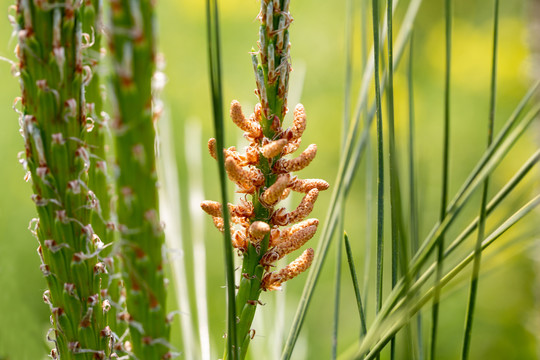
(349,28)
(399,319)
(217,106)
(483,210)
(445,170)
(343,180)
(413,197)
(337,290)
(500,196)
(354,279)
(380,158)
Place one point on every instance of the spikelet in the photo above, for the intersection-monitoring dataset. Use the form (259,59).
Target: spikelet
(298,163)
(305,185)
(274,148)
(305,207)
(273,194)
(273,280)
(251,127)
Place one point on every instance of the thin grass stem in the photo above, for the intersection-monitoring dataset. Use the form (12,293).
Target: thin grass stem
(413,197)
(350,260)
(483,210)
(217,106)
(445,176)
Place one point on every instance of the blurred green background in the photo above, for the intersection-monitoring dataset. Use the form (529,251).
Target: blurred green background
(507,322)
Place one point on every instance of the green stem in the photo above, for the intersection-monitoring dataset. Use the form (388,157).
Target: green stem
(483,207)
(57,159)
(132,45)
(445,170)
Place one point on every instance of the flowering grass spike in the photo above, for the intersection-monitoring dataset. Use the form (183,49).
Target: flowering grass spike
(264,176)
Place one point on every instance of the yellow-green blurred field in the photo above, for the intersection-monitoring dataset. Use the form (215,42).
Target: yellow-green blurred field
(508,313)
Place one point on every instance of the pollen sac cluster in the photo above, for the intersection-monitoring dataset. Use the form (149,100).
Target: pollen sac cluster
(265,177)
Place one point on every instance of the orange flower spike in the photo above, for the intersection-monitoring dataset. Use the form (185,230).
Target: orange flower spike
(273,194)
(273,280)
(298,163)
(251,127)
(274,148)
(305,185)
(257,230)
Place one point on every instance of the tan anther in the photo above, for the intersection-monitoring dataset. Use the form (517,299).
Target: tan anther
(273,280)
(292,146)
(287,233)
(299,122)
(212,148)
(274,148)
(305,207)
(298,163)
(243,210)
(295,240)
(237,116)
(246,179)
(304,185)
(257,230)
(272,195)
(219,223)
(212,208)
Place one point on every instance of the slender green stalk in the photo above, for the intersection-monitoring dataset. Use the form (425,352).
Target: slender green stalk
(57,158)
(337,280)
(354,279)
(214,55)
(133,49)
(380,158)
(483,207)
(349,29)
(445,171)
(413,197)
(369,163)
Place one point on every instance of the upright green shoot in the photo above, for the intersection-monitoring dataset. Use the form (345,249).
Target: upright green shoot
(214,56)
(445,176)
(134,56)
(483,208)
(54,126)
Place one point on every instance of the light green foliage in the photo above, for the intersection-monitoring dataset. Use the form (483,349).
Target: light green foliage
(132,46)
(52,73)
